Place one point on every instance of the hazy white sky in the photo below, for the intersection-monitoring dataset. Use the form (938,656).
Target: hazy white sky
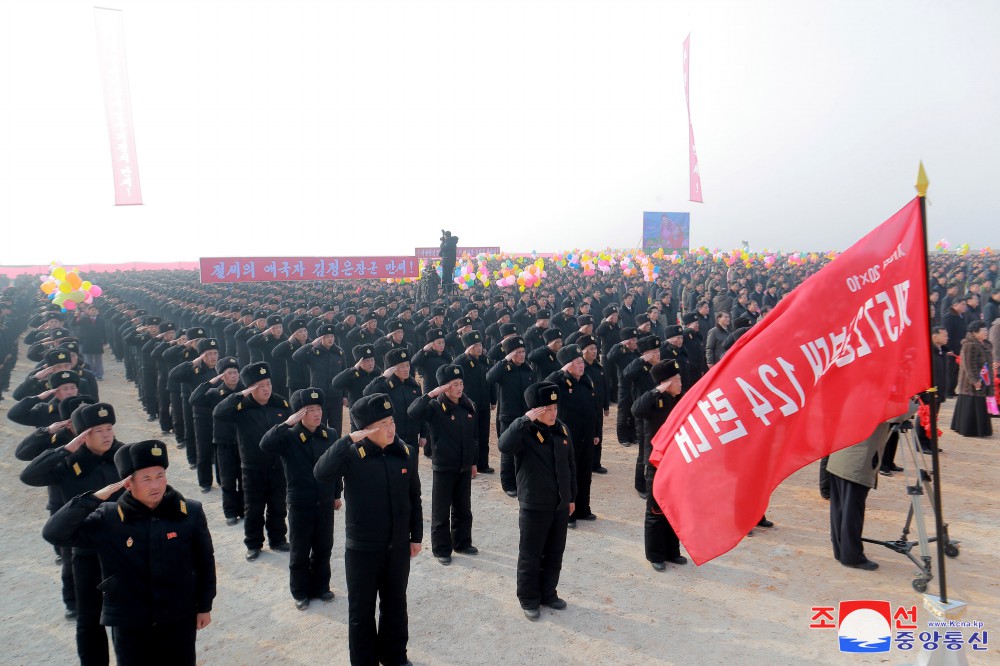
(290,127)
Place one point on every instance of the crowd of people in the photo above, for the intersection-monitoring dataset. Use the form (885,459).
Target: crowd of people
(249,385)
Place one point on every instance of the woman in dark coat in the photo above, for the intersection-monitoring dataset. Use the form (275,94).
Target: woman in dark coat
(975,381)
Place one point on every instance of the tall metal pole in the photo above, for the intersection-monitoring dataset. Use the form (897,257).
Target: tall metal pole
(922,184)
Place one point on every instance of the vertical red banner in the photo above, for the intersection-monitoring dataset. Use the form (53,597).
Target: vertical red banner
(117,105)
(695,175)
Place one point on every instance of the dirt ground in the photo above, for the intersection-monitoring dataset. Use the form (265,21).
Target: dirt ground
(750,606)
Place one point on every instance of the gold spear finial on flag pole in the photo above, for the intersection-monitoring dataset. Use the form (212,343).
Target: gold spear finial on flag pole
(922,181)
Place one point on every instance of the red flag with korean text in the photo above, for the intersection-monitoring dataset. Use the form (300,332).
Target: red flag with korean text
(840,354)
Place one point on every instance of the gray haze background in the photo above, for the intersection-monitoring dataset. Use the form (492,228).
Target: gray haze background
(269,128)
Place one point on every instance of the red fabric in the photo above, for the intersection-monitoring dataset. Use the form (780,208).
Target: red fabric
(840,354)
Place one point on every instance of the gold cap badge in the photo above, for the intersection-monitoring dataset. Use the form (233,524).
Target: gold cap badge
(263,371)
(102,412)
(402,355)
(553,397)
(387,405)
(314,395)
(156,451)
(128,544)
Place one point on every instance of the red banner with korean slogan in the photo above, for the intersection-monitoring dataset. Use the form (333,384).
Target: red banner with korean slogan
(840,354)
(216,270)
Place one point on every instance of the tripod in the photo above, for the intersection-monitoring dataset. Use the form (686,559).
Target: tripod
(915,514)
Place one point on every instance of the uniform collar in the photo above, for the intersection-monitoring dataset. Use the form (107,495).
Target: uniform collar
(303,435)
(173,506)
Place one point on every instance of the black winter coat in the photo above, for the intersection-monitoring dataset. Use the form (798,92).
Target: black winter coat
(544,463)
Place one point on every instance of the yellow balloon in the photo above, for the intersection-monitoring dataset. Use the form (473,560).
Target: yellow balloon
(59,273)
(86,285)
(65,288)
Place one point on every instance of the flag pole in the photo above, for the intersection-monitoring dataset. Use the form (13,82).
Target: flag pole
(922,184)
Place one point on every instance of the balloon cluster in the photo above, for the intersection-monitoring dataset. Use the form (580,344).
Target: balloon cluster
(467,274)
(963,249)
(511,274)
(942,245)
(67,289)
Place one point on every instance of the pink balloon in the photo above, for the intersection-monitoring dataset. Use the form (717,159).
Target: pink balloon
(69,305)
(95,291)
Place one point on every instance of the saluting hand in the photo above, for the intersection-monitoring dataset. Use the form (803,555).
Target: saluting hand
(57,426)
(74,444)
(566,367)
(389,372)
(296,417)
(43,373)
(215,380)
(196,362)
(534,413)
(359,435)
(107,491)
(247,391)
(647,356)
(45,395)
(510,356)
(433,393)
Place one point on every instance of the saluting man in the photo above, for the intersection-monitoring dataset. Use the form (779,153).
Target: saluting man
(300,441)
(384,528)
(546,489)
(454,431)
(156,557)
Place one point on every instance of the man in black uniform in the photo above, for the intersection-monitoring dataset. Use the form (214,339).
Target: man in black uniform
(602,404)
(477,389)
(297,374)
(156,558)
(384,527)
(206,398)
(395,382)
(546,487)
(452,420)
(325,360)
(300,441)
(578,412)
(186,377)
(427,361)
(42,410)
(254,410)
(512,376)
(82,465)
(620,356)
(639,381)
(262,346)
(652,408)
(543,360)
(353,381)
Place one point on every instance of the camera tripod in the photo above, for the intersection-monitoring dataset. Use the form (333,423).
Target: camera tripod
(915,514)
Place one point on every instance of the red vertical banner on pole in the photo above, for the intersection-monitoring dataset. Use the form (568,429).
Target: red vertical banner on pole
(117,105)
(695,175)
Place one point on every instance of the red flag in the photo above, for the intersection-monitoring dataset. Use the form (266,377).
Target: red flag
(694,172)
(840,354)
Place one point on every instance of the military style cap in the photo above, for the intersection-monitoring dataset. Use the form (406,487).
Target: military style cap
(648,343)
(628,333)
(326,329)
(195,333)
(67,406)
(438,311)
(168,326)
(471,338)
(542,314)
(672,332)
(664,370)
(689,318)
(206,344)
(462,322)
(65,377)
(225,363)
(151,320)
(69,344)
(55,357)
(254,373)
(133,457)
(585,341)
(91,415)
(541,394)
(371,408)
(448,373)
(569,353)
(393,325)
(260,314)
(296,324)
(307,396)
(641,319)
(510,344)
(568,303)
(434,334)
(584,320)
(274,320)
(507,329)
(396,356)
(363,351)
(609,310)
(551,334)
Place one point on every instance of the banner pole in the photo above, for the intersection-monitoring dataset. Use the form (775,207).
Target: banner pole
(922,184)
